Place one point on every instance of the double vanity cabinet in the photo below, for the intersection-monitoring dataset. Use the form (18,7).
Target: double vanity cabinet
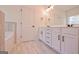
(64,40)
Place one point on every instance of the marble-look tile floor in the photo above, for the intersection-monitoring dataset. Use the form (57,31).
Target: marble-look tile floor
(32,47)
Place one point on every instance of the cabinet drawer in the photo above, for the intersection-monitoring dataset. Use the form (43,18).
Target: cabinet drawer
(48,37)
(48,30)
(49,33)
(56,29)
(48,42)
(69,44)
(72,31)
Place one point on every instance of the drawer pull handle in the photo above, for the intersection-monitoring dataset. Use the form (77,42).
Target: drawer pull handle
(58,37)
(48,29)
(47,41)
(63,38)
(48,33)
(48,37)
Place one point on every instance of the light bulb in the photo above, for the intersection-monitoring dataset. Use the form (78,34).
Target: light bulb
(47,10)
(45,13)
(51,7)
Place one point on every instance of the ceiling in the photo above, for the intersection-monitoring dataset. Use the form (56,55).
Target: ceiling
(63,7)
(60,7)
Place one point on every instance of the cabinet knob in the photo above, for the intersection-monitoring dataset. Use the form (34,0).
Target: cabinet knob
(63,38)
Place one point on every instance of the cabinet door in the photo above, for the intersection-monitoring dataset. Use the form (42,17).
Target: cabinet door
(42,34)
(56,39)
(69,44)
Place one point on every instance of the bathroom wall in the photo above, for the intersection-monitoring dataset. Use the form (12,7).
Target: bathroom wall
(36,18)
(33,15)
(54,17)
(2,16)
(10,12)
(60,17)
(73,12)
(13,14)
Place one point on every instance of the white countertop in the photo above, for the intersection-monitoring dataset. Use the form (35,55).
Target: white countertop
(64,25)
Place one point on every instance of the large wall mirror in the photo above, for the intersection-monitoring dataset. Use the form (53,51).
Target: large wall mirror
(73,16)
(73,19)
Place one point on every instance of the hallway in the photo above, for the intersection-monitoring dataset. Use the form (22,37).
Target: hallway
(32,47)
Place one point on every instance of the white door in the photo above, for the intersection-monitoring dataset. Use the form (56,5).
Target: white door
(69,44)
(56,39)
(28,27)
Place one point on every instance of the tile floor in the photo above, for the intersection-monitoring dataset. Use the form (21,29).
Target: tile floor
(32,47)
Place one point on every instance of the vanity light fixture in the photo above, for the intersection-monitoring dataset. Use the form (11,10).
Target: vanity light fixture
(47,10)
(45,13)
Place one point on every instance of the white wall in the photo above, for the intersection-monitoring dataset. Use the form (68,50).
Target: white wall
(60,17)
(10,12)
(13,14)
(56,16)
(2,15)
(73,12)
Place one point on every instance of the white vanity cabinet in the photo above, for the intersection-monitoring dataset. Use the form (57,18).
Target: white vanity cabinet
(70,40)
(62,39)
